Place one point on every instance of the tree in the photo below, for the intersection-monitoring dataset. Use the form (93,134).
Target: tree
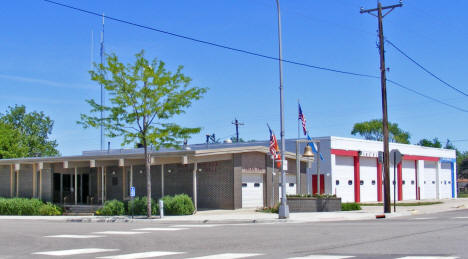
(33,130)
(373,130)
(428,143)
(143,97)
(11,144)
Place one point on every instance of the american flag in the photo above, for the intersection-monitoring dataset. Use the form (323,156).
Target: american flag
(274,149)
(302,118)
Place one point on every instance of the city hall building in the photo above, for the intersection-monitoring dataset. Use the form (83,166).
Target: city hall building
(232,175)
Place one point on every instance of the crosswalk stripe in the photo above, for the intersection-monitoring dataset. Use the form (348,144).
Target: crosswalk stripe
(324,257)
(195,226)
(159,229)
(461,217)
(226,256)
(75,251)
(428,257)
(119,233)
(422,218)
(141,255)
(74,236)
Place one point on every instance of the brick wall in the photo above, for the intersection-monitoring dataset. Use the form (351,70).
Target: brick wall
(215,184)
(4,181)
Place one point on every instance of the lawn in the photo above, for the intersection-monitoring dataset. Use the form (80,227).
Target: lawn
(462,195)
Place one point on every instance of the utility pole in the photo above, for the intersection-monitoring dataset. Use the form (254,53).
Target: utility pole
(237,123)
(383,82)
(102,87)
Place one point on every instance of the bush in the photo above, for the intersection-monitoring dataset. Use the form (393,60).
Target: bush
(273,209)
(350,206)
(50,209)
(29,207)
(139,206)
(180,204)
(112,208)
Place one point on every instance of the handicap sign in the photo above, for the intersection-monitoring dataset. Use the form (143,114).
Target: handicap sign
(132,191)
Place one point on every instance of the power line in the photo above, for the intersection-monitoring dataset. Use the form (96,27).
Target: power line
(426,70)
(427,96)
(254,53)
(212,43)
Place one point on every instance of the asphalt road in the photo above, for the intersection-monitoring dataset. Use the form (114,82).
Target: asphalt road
(443,235)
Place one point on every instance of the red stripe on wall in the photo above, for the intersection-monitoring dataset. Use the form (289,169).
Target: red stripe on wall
(416,179)
(357,180)
(341,152)
(400,181)
(379,181)
(427,158)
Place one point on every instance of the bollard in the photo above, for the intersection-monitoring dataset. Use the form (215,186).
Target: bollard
(161,208)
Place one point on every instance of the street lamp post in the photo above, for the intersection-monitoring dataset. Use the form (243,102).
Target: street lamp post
(283,212)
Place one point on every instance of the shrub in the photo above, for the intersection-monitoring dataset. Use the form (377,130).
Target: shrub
(50,209)
(180,204)
(30,207)
(350,206)
(139,206)
(112,208)
(273,209)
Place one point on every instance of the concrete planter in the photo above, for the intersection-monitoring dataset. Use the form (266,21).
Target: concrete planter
(311,204)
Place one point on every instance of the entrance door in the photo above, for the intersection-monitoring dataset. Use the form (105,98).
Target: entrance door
(314,184)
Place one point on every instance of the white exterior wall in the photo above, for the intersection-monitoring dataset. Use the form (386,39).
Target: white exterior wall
(341,168)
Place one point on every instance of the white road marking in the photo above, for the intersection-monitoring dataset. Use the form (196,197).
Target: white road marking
(428,257)
(75,251)
(75,236)
(324,257)
(461,218)
(422,218)
(159,229)
(226,256)
(141,255)
(119,233)
(195,226)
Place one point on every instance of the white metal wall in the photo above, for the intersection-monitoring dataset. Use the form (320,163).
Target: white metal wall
(429,180)
(368,174)
(445,176)
(409,180)
(344,178)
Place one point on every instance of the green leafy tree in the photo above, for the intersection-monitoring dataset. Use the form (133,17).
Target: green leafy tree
(11,144)
(428,143)
(31,131)
(373,130)
(143,97)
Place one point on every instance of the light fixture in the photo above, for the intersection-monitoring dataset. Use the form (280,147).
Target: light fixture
(169,171)
(199,169)
(141,171)
(113,172)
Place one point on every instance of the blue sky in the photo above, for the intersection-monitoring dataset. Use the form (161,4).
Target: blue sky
(46,54)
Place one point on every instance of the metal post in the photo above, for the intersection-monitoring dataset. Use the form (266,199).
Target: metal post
(283,209)
(131,175)
(273,181)
(394,183)
(81,187)
(61,188)
(298,166)
(318,167)
(309,180)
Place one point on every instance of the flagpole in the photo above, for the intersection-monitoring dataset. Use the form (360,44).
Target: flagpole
(298,162)
(273,181)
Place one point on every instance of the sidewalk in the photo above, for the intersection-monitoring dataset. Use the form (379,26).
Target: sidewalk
(251,216)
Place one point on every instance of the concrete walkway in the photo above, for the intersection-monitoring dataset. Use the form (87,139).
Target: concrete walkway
(251,216)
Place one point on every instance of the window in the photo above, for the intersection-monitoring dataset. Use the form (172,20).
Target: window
(373,182)
(448,182)
(115,180)
(350,182)
(244,184)
(291,184)
(412,182)
(445,182)
(393,182)
(403,182)
(337,182)
(361,182)
(433,182)
(424,182)
(256,185)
